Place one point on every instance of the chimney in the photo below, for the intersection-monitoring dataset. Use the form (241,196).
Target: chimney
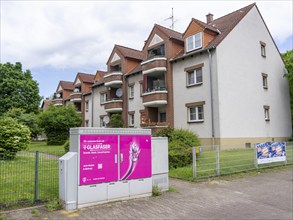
(209,18)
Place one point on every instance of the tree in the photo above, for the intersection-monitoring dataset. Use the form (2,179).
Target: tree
(14,137)
(56,122)
(28,119)
(288,59)
(18,89)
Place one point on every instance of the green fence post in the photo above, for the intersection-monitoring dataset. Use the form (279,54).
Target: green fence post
(36,194)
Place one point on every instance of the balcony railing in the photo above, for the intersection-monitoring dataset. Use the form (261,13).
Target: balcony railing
(155,64)
(155,97)
(75,97)
(113,79)
(113,105)
(154,124)
(57,102)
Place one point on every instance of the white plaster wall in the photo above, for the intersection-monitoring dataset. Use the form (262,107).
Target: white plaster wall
(240,90)
(183,95)
(98,109)
(135,104)
(88,114)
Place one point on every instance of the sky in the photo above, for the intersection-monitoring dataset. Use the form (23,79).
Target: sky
(57,39)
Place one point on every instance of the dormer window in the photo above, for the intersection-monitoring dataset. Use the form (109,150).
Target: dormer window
(157,51)
(116,68)
(194,42)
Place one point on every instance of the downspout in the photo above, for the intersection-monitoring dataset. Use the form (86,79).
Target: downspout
(212,99)
(126,102)
(92,107)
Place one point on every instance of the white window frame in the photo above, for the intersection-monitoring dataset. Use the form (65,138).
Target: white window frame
(263,50)
(265,81)
(86,123)
(195,73)
(267,114)
(102,123)
(131,120)
(196,113)
(131,92)
(193,39)
(103,98)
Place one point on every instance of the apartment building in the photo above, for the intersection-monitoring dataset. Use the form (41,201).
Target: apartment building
(222,79)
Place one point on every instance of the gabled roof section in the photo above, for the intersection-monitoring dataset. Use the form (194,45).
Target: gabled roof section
(66,85)
(126,52)
(169,33)
(136,69)
(227,23)
(99,75)
(203,25)
(85,77)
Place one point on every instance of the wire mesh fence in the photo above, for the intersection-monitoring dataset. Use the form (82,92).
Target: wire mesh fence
(30,177)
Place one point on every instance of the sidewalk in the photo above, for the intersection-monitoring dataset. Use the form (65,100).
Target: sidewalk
(265,196)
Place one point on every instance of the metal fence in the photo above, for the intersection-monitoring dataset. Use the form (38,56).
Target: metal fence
(212,161)
(31,177)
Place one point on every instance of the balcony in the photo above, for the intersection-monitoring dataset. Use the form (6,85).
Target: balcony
(154,124)
(155,98)
(57,102)
(113,79)
(113,105)
(75,97)
(153,65)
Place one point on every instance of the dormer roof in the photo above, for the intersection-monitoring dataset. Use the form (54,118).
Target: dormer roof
(84,78)
(65,85)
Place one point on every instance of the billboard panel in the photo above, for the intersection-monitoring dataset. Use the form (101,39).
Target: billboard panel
(270,152)
(135,157)
(98,159)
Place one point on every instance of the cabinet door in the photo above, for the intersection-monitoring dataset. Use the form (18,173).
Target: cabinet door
(135,157)
(98,159)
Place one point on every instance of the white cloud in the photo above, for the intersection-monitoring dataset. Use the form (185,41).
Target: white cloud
(67,34)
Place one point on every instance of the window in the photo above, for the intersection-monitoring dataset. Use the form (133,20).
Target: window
(162,116)
(263,48)
(194,77)
(103,98)
(131,92)
(87,106)
(194,42)
(141,87)
(195,112)
(86,123)
(102,123)
(265,80)
(267,112)
(157,51)
(131,119)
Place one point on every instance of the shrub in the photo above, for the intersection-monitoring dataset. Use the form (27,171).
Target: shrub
(180,142)
(14,137)
(116,121)
(66,146)
(54,204)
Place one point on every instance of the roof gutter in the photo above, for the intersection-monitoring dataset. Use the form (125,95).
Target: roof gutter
(191,54)
(212,98)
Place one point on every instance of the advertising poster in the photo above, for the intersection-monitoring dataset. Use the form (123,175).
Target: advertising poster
(271,152)
(135,157)
(98,159)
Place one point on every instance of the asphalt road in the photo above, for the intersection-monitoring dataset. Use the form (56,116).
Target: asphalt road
(264,196)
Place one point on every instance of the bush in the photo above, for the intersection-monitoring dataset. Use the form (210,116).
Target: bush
(116,121)
(66,146)
(180,142)
(14,137)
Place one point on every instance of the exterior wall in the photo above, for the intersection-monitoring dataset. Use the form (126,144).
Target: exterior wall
(241,93)
(135,104)
(98,108)
(88,113)
(198,93)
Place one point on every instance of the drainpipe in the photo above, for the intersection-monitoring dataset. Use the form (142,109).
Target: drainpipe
(92,115)
(212,99)
(126,101)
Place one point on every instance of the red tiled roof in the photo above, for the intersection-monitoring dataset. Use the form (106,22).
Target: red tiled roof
(99,75)
(86,77)
(136,69)
(66,85)
(169,32)
(129,52)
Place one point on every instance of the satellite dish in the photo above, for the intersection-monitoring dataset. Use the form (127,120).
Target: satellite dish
(119,92)
(106,119)
(76,90)
(58,95)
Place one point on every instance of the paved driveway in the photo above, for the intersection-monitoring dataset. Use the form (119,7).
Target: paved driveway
(265,196)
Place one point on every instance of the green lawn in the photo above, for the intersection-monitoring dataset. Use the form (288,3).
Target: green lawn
(17,179)
(231,161)
(41,146)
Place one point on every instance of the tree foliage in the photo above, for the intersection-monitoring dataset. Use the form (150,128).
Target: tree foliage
(56,122)
(14,137)
(180,142)
(288,59)
(28,119)
(18,89)
(116,121)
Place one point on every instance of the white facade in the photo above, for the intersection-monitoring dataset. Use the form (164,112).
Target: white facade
(98,107)
(88,111)
(239,98)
